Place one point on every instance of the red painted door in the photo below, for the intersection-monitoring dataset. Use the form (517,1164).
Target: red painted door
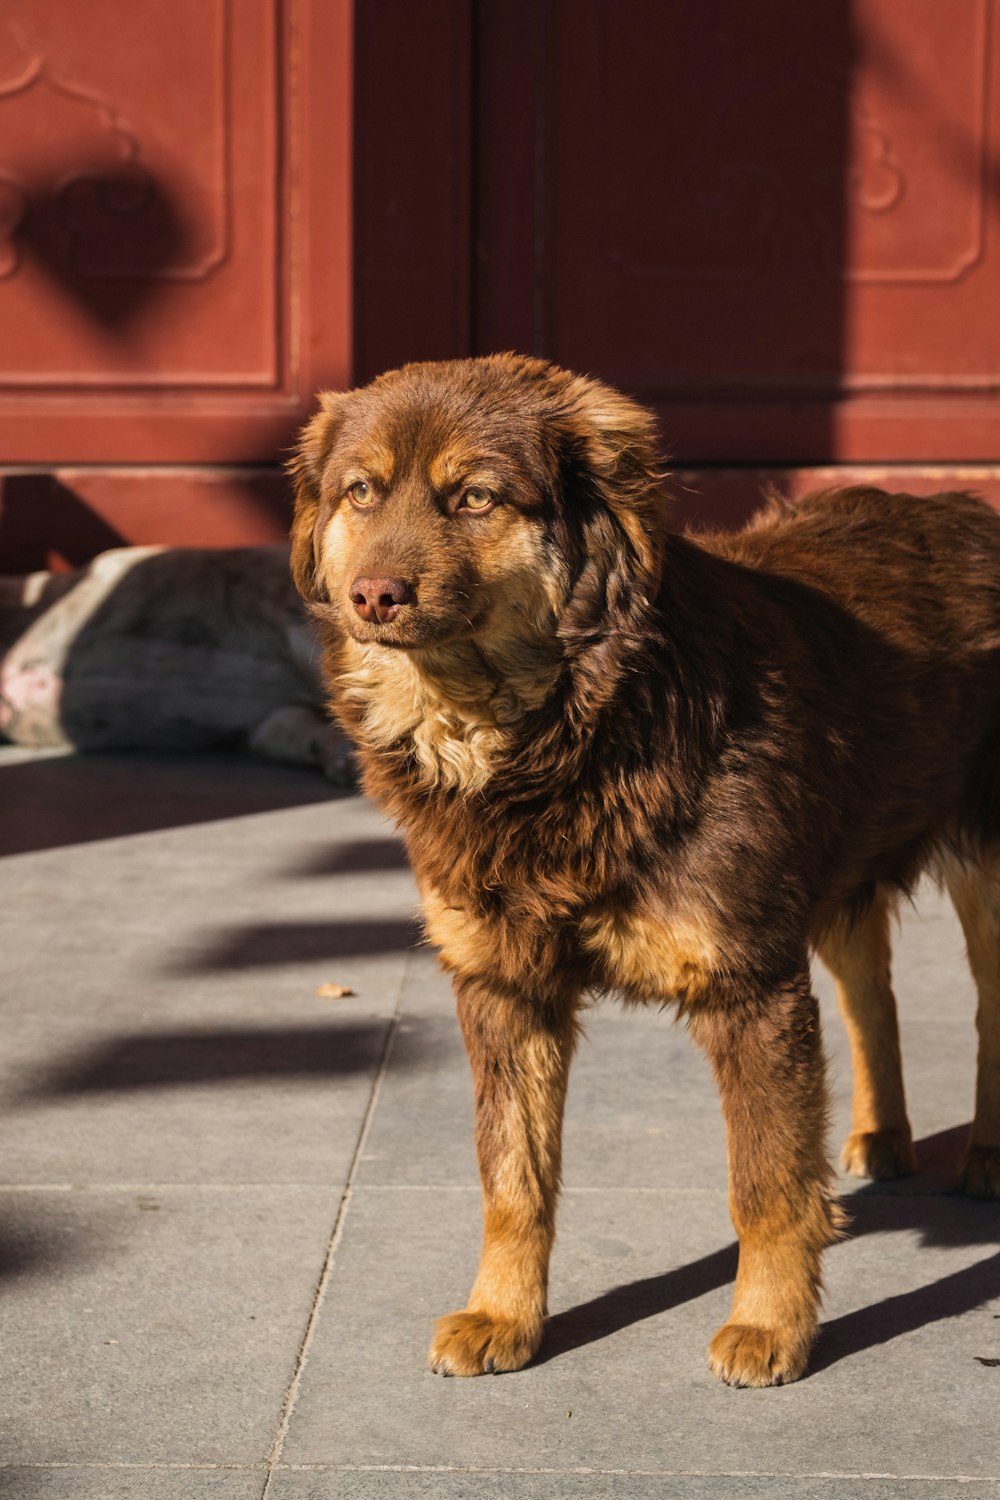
(175,233)
(777,223)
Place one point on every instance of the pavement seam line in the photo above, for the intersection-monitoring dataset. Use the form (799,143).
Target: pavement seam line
(583,1471)
(576,1472)
(291,1395)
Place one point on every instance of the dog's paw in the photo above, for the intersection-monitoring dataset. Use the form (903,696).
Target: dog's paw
(473,1343)
(979,1174)
(879,1154)
(740,1354)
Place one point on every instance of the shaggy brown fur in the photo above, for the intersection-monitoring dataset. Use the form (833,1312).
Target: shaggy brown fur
(662,765)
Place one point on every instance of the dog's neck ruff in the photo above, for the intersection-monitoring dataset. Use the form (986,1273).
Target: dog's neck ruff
(453,706)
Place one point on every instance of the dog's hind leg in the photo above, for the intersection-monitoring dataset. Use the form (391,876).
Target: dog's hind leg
(975,890)
(767,1057)
(520,1052)
(858,954)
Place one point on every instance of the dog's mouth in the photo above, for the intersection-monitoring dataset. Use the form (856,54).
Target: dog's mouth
(403,627)
(404,632)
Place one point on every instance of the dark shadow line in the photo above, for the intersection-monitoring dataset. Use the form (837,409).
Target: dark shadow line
(302,942)
(44,1240)
(354,857)
(178,1058)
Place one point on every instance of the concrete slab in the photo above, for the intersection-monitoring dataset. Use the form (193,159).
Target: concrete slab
(160,1008)
(640,1282)
(154,1325)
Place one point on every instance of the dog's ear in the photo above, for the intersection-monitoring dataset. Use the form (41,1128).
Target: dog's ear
(306,468)
(611,507)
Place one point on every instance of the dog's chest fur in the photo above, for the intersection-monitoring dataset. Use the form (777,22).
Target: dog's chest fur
(451,716)
(553,901)
(552,886)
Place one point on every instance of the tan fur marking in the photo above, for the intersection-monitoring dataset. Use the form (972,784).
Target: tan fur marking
(531,588)
(520,1068)
(330,546)
(659,958)
(462,939)
(767,1337)
(377,464)
(975,891)
(443,470)
(859,955)
(519,1216)
(454,466)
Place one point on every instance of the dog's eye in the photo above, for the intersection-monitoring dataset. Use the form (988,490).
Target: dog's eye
(476,500)
(361,493)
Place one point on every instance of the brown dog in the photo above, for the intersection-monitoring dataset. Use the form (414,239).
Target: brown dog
(667,766)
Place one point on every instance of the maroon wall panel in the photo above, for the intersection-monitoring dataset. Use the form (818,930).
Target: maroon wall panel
(175,226)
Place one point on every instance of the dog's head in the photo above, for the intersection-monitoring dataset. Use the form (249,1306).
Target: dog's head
(476,498)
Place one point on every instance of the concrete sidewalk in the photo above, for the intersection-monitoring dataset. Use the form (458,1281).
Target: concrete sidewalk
(233,1208)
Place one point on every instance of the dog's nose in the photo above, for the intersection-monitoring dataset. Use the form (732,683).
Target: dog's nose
(379,598)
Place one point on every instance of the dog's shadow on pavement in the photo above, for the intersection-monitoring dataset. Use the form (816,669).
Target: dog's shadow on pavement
(922,1203)
(623,1305)
(927,1205)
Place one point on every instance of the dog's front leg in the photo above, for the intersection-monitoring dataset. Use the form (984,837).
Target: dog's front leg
(768,1061)
(520,1050)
